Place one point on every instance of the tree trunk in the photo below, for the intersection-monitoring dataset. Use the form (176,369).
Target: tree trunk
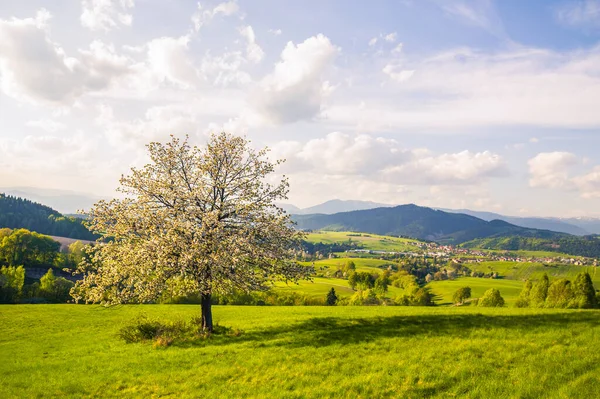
(207,321)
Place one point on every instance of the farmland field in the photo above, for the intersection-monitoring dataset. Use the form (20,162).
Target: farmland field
(373,242)
(293,352)
(533,271)
(319,287)
(509,289)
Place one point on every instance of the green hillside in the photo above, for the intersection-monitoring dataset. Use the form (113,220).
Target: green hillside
(419,222)
(16,213)
(509,289)
(373,242)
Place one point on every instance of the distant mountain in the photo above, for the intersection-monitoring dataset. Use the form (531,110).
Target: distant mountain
(62,200)
(333,206)
(589,224)
(16,213)
(553,224)
(419,222)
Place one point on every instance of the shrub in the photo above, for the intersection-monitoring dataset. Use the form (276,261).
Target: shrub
(461,295)
(491,299)
(55,289)
(524,297)
(539,292)
(560,294)
(419,296)
(12,280)
(584,294)
(332,298)
(163,334)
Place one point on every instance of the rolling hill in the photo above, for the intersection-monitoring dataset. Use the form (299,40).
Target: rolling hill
(18,213)
(552,224)
(419,222)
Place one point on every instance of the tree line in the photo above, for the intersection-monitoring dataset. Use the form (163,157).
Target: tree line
(20,250)
(21,213)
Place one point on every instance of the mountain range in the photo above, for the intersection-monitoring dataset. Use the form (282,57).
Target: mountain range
(419,222)
(575,226)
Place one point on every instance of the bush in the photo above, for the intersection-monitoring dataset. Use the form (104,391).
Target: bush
(560,294)
(524,297)
(55,289)
(461,295)
(332,298)
(163,334)
(491,299)
(419,296)
(12,280)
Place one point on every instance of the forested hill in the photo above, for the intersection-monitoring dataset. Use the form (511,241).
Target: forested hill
(21,213)
(419,222)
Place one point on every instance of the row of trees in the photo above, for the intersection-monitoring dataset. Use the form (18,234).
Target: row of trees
(561,293)
(49,289)
(21,247)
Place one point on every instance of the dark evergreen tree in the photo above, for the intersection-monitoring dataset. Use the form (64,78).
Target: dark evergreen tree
(331,297)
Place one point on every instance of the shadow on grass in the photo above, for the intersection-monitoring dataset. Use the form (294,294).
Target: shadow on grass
(326,331)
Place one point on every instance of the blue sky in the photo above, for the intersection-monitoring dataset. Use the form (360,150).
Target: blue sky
(488,105)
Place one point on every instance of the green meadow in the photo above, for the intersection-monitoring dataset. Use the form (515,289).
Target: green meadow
(443,290)
(532,270)
(73,351)
(373,242)
(319,287)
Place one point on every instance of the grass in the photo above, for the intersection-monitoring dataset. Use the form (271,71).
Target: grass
(531,254)
(509,289)
(533,271)
(372,242)
(362,264)
(319,287)
(73,351)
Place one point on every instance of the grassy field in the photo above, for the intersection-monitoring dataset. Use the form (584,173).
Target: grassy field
(362,264)
(319,287)
(72,351)
(373,242)
(509,289)
(526,270)
(532,254)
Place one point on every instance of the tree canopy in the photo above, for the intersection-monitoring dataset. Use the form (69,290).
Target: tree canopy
(203,217)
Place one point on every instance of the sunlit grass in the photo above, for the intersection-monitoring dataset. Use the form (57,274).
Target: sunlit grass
(367,241)
(295,352)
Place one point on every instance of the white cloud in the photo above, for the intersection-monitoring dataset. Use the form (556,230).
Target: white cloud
(398,48)
(373,41)
(398,74)
(254,52)
(465,88)
(391,37)
(25,44)
(589,183)
(202,16)
(48,125)
(224,70)
(295,90)
(385,160)
(275,32)
(106,14)
(583,13)
(551,169)
(169,60)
